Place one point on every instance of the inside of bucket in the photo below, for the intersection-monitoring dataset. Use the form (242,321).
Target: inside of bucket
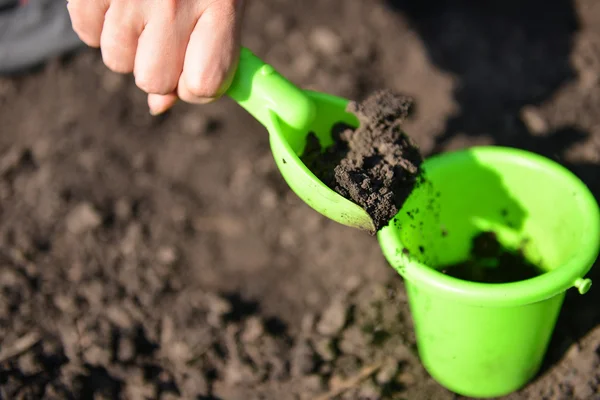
(531,212)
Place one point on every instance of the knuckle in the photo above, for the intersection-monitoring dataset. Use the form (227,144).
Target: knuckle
(169,10)
(115,62)
(152,84)
(205,86)
(117,66)
(90,38)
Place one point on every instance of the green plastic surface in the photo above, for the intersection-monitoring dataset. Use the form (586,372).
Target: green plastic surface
(488,340)
(289,114)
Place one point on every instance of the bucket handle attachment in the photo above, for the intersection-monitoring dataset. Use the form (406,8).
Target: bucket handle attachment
(583,285)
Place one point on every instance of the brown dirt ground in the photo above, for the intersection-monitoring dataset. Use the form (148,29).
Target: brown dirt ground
(165,258)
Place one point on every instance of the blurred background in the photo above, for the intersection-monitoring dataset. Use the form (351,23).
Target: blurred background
(165,258)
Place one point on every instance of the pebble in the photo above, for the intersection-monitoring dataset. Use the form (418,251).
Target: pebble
(326,41)
(218,307)
(253,330)
(82,218)
(119,317)
(304,64)
(167,255)
(28,364)
(268,198)
(534,121)
(324,348)
(406,379)
(194,124)
(96,355)
(387,372)
(333,319)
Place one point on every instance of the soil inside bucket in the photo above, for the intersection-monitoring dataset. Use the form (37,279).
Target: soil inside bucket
(491,262)
(376,165)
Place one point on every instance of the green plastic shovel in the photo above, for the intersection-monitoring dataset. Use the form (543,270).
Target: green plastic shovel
(289,114)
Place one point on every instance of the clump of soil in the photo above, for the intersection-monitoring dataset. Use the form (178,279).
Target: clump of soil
(491,262)
(375,165)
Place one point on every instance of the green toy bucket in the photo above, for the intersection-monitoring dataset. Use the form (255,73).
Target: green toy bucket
(488,340)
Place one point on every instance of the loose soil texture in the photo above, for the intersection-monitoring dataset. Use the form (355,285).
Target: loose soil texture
(375,165)
(165,258)
(490,262)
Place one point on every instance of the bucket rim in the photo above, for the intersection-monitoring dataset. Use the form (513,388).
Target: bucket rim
(522,292)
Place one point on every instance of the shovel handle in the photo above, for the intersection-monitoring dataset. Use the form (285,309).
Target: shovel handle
(262,91)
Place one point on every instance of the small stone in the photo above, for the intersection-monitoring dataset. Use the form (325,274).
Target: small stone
(66,304)
(326,41)
(119,317)
(167,255)
(179,352)
(268,199)
(324,348)
(406,379)
(387,372)
(253,330)
(218,307)
(96,355)
(194,124)
(28,364)
(333,319)
(304,64)
(534,121)
(83,218)
(352,283)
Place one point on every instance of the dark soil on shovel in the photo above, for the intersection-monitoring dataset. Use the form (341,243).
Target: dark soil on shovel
(376,165)
(491,262)
(165,258)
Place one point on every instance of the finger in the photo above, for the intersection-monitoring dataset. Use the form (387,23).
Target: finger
(212,53)
(161,49)
(158,104)
(123,24)
(87,19)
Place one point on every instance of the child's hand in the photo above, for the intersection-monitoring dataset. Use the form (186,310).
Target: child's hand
(175,48)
